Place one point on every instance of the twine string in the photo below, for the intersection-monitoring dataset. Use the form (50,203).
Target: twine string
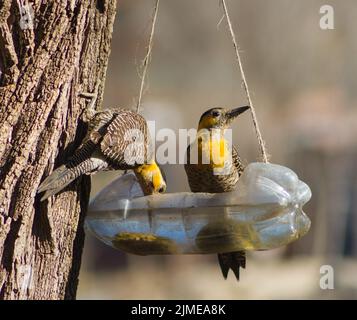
(245,85)
(147,58)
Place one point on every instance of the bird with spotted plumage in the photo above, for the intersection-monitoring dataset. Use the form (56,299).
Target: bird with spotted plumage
(117,139)
(222,170)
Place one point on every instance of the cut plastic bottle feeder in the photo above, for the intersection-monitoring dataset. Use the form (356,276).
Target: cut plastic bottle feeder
(264,212)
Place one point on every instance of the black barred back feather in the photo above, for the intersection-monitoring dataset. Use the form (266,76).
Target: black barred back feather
(103,148)
(119,136)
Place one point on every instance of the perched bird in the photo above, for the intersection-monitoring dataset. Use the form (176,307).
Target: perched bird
(116,140)
(215,154)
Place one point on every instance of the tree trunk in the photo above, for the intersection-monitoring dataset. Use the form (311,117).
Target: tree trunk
(45,62)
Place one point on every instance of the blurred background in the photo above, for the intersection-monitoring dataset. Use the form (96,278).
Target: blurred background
(302,80)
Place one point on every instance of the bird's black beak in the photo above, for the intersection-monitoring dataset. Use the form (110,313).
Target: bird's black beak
(234,113)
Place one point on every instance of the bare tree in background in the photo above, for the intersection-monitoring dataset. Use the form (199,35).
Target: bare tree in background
(50,51)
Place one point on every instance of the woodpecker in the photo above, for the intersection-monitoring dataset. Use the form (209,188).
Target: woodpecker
(203,175)
(117,139)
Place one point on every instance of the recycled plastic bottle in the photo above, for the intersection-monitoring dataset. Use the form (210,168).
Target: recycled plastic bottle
(264,212)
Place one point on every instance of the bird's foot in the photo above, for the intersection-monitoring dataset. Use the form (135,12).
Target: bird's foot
(90,111)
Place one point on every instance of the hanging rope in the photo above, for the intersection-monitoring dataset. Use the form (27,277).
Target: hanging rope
(245,85)
(147,58)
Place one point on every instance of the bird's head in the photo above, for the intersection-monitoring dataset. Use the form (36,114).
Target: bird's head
(219,118)
(151,178)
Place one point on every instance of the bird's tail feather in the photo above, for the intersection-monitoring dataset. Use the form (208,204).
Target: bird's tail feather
(63,176)
(79,164)
(231,260)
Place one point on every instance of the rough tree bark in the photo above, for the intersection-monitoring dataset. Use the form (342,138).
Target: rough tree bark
(43,68)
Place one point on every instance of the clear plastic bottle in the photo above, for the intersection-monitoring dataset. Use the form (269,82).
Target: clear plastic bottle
(264,212)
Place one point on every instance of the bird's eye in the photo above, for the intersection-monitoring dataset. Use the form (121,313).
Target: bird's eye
(161,190)
(215,113)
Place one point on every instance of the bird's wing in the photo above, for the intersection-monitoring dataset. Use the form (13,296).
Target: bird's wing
(237,161)
(125,142)
(98,125)
(82,161)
